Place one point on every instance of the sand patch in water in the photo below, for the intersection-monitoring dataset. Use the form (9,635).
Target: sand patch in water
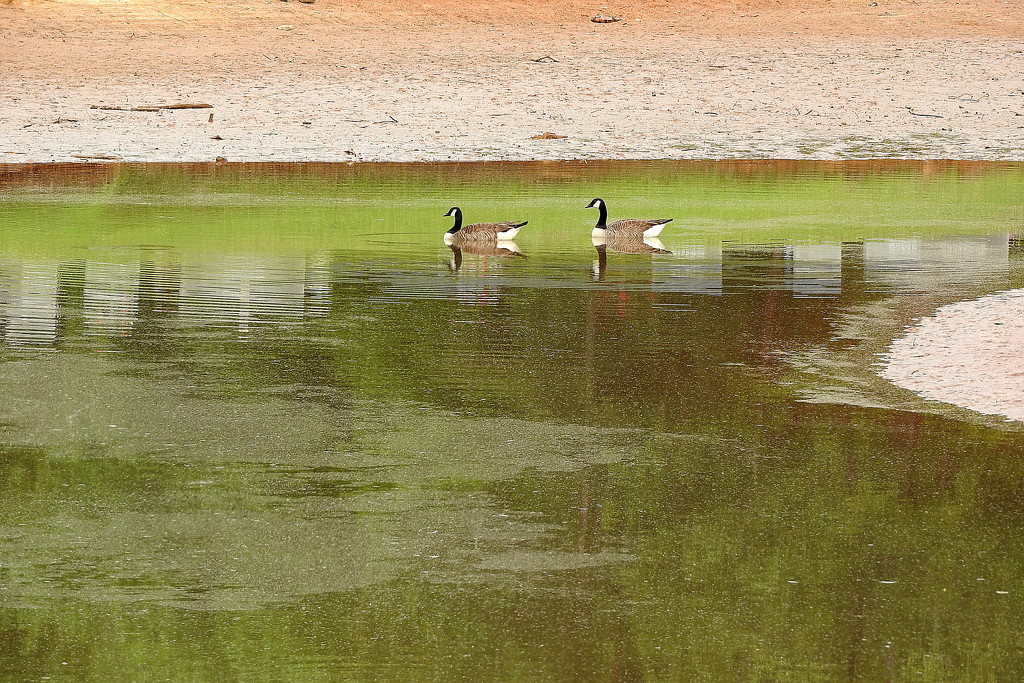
(967,354)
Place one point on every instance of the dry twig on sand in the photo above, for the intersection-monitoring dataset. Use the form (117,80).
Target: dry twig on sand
(933,116)
(105,157)
(154,107)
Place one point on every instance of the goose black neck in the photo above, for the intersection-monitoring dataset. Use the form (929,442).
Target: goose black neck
(603,218)
(458,222)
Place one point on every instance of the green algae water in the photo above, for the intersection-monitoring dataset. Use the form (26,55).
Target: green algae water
(258,423)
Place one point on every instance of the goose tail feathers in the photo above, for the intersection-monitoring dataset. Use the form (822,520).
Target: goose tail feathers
(507,234)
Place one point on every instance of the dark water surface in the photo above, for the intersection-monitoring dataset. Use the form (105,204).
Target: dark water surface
(259,423)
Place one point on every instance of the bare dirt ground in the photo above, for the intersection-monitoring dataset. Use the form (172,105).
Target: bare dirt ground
(966,354)
(475,80)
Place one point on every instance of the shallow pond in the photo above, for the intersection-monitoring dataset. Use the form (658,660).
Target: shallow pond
(258,422)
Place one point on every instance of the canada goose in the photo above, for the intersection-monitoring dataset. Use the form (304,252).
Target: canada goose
(629,226)
(480,231)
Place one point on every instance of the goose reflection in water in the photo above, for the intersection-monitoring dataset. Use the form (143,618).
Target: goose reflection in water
(485,250)
(623,245)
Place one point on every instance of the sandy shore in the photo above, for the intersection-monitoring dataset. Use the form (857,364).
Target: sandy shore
(966,354)
(472,80)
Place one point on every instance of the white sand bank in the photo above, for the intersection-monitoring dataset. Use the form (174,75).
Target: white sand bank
(967,354)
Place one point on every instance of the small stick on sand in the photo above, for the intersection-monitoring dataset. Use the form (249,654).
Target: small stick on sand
(934,116)
(107,157)
(154,107)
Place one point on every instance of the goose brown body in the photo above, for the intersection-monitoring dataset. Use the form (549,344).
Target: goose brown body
(634,227)
(480,231)
(486,231)
(626,227)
